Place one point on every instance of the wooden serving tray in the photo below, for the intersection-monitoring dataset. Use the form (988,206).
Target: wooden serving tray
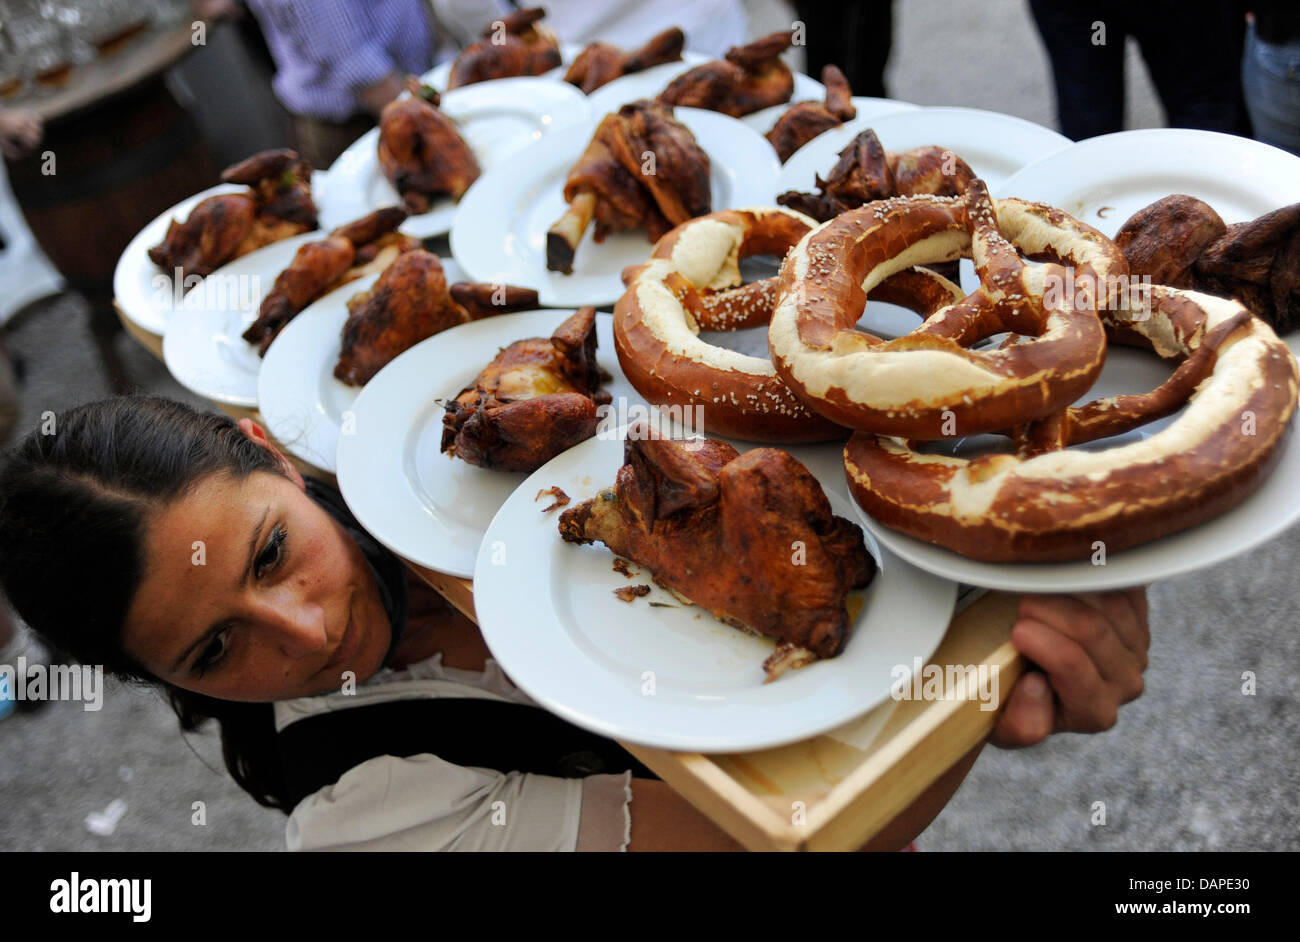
(832,792)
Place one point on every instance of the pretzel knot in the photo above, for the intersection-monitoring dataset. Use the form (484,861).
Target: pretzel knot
(926,383)
(692,282)
(1239,384)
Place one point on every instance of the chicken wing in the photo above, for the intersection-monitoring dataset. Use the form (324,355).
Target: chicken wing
(865,172)
(409,302)
(537,398)
(750,78)
(514,45)
(751,538)
(807,119)
(422,153)
(350,252)
(601,63)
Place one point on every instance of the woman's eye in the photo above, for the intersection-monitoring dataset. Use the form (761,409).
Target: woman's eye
(274,552)
(212,654)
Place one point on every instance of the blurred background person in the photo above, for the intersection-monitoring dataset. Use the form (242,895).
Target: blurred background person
(1192,48)
(855,35)
(338,62)
(1271,72)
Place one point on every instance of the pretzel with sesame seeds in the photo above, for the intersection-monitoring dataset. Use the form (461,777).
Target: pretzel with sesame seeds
(924,384)
(692,283)
(1049,504)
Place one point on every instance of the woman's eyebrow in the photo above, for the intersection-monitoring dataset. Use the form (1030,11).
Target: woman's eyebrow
(243,578)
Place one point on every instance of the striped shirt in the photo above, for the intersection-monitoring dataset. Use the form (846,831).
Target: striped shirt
(326,50)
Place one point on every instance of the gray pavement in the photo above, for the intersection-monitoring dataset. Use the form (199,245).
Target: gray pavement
(1194,764)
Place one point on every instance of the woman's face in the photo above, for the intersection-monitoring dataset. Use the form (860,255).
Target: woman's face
(252,592)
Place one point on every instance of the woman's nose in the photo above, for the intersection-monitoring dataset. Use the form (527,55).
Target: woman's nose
(296,627)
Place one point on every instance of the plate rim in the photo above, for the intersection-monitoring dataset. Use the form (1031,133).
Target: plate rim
(943,596)
(571,147)
(408,406)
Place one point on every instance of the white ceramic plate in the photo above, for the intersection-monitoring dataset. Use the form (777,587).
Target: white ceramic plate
(420,503)
(438,75)
(1271,509)
(652,81)
(497,120)
(675,678)
(297,393)
(203,345)
(143,290)
(994,145)
(762,121)
(1104,180)
(500,232)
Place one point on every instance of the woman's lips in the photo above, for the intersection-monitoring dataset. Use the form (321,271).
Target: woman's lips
(347,644)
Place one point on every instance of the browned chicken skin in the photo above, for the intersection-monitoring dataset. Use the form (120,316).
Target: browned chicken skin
(601,63)
(277,205)
(537,398)
(750,78)
(807,119)
(1182,242)
(865,172)
(409,302)
(618,185)
(751,538)
(422,153)
(351,251)
(514,45)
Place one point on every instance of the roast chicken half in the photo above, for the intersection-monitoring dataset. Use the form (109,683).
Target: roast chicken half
(751,538)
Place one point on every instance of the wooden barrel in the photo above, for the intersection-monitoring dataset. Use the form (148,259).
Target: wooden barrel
(118,163)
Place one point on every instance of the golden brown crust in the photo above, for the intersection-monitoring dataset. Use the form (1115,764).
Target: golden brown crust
(743,399)
(751,538)
(537,398)
(1057,505)
(926,382)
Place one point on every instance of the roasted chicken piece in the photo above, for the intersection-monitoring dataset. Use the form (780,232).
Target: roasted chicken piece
(537,398)
(1182,242)
(807,119)
(277,205)
(514,45)
(865,172)
(422,153)
(750,78)
(642,170)
(1165,239)
(409,302)
(351,251)
(751,538)
(601,63)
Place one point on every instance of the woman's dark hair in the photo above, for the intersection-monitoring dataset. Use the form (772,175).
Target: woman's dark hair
(75,498)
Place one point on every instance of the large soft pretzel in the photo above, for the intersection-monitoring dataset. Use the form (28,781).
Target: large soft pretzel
(926,383)
(692,282)
(1060,505)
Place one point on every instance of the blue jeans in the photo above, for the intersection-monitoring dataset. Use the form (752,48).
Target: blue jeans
(1270,77)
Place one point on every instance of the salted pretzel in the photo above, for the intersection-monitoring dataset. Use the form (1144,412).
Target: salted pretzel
(927,383)
(1239,382)
(692,282)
